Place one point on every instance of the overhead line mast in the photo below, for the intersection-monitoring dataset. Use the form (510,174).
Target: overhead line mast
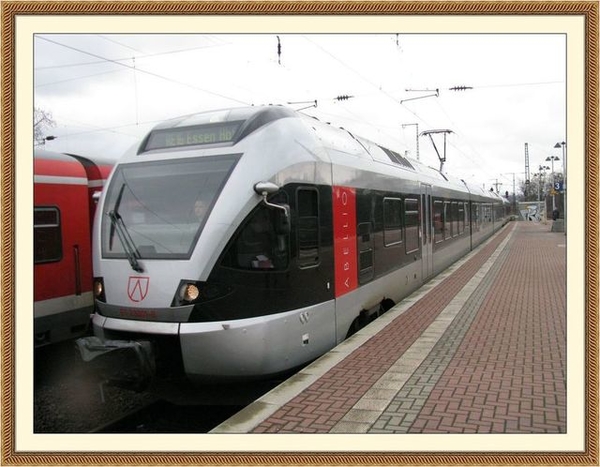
(526,168)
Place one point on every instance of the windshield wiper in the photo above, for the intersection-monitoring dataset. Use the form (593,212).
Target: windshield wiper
(126,241)
(114,212)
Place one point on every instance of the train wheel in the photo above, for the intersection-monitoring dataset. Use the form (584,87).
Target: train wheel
(354,327)
(386,305)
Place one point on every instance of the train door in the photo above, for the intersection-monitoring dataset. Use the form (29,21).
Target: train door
(426,228)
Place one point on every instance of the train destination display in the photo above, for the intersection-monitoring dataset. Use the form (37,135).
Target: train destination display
(192,135)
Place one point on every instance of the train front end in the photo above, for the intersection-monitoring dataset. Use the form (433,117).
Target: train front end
(147,269)
(163,223)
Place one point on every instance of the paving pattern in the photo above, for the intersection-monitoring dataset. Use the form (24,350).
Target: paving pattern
(508,375)
(410,401)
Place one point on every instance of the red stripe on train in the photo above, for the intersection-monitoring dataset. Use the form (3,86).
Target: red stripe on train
(344,239)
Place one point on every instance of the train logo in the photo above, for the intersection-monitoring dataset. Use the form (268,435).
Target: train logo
(345,240)
(137,288)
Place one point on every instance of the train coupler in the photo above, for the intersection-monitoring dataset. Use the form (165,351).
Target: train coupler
(125,364)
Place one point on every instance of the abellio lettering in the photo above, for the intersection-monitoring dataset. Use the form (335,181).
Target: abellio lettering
(344,230)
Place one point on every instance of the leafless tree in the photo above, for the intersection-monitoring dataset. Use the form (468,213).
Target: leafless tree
(42,121)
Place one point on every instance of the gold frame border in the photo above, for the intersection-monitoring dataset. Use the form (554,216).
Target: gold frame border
(589,9)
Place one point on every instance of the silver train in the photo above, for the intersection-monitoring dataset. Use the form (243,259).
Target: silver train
(243,243)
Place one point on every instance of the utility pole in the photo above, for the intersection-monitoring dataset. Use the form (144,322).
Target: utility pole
(514,195)
(497,184)
(404,125)
(541,180)
(553,191)
(563,144)
(514,190)
(526,169)
(278,51)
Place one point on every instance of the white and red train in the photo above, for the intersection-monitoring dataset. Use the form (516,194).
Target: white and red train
(243,243)
(66,188)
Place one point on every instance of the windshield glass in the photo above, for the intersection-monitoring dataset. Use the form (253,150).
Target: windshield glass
(161,206)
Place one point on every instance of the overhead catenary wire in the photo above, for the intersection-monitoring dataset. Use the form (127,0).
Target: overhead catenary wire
(114,41)
(124,59)
(345,109)
(112,129)
(360,75)
(461,134)
(78,78)
(150,73)
(380,91)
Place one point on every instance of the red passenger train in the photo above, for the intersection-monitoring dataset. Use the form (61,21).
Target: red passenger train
(66,188)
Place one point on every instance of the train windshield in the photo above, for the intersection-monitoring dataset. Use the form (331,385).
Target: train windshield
(156,210)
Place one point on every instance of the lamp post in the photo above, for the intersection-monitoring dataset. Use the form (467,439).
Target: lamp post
(542,176)
(563,144)
(552,159)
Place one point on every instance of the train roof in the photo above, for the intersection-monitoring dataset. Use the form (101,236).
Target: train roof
(377,153)
(231,125)
(228,125)
(251,118)
(40,153)
(51,155)
(262,113)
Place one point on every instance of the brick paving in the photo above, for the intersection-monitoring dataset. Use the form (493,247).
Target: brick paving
(484,351)
(508,375)
(413,398)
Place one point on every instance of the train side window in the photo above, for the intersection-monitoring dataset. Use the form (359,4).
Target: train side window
(487,214)
(47,236)
(455,218)
(259,244)
(365,252)
(447,220)
(438,221)
(475,216)
(307,202)
(461,217)
(411,216)
(392,221)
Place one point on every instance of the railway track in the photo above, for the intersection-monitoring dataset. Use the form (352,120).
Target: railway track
(69,399)
(164,417)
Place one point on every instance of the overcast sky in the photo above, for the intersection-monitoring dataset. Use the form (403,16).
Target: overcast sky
(105,91)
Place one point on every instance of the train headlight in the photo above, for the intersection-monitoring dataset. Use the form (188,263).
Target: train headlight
(99,289)
(192,292)
(189,292)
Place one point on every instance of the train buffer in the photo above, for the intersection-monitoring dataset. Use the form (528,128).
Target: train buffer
(479,349)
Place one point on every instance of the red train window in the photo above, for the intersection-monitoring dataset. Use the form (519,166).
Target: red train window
(47,238)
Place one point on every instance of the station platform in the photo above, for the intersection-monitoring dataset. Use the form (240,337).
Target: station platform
(481,348)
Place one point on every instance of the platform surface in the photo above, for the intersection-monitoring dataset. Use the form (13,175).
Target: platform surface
(479,349)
